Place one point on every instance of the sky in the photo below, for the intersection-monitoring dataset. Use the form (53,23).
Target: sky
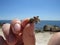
(21,9)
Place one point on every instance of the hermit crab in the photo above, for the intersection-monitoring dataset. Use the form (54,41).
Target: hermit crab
(19,26)
(35,19)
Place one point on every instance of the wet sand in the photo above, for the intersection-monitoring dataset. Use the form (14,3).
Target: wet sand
(41,38)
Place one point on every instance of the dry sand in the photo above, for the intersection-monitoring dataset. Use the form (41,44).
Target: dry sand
(41,38)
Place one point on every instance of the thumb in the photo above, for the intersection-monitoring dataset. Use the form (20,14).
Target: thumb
(28,35)
(29,29)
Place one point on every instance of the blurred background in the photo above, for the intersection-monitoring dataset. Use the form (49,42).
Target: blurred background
(47,10)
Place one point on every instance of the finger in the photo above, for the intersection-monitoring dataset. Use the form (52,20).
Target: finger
(24,22)
(29,29)
(28,35)
(16,26)
(10,37)
(6,29)
(14,21)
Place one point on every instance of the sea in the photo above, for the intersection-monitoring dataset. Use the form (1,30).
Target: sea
(40,24)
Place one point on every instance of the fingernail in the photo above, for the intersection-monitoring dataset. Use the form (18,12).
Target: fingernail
(17,27)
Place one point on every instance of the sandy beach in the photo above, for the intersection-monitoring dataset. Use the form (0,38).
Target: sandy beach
(42,38)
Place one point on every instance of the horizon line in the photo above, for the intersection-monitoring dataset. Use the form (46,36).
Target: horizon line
(42,20)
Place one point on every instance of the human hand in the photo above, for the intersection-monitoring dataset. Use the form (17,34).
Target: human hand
(14,35)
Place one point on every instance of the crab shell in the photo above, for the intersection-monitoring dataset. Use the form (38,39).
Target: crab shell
(34,19)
